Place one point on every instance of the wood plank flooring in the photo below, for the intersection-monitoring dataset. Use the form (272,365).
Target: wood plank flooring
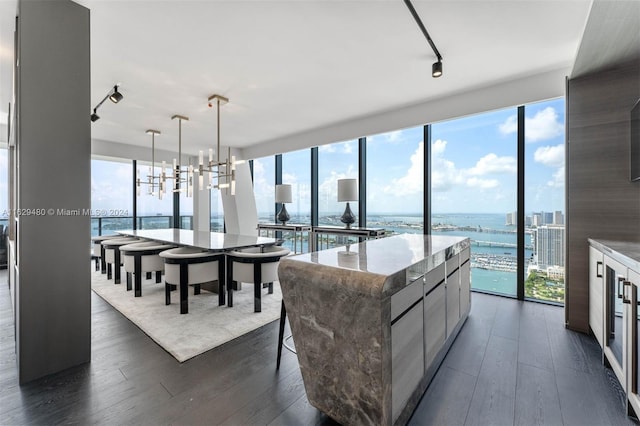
(512,364)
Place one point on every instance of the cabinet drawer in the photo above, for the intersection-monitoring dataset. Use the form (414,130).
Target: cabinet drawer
(434,277)
(402,300)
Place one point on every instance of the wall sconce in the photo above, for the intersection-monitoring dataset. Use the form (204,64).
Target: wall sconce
(347,191)
(283,195)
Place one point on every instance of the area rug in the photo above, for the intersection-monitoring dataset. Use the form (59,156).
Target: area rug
(206,326)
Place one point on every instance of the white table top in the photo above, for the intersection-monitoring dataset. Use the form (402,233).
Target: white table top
(216,241)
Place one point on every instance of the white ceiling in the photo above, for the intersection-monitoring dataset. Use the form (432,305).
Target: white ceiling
(291,66)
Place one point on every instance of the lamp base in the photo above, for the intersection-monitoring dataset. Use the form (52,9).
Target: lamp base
(348,217)
(283,215)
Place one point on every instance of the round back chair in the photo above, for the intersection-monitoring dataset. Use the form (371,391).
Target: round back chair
(143,258)
(112,255)
(185,266)
(255,265)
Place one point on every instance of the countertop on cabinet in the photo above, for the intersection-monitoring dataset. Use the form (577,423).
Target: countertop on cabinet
(410,255)
(625,252)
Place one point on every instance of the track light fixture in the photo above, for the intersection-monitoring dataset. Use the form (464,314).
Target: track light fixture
(114,96)
(436,68)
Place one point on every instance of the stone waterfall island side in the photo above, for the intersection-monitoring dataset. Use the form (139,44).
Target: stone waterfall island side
(371,322)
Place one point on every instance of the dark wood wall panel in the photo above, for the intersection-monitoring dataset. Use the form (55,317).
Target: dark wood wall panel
(601,201)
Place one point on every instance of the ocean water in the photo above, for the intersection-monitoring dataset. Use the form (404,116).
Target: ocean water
(482,226)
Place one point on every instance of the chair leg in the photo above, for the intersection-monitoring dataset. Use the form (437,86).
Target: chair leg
(184,288)
(230,284)
(128,281)
(149,275)
(221,283)
(137,276)
(167,293)
(196,289)
(257,287)
(109,273)
(283,316)
(97,264)
(158,276)
(117,266)
(270,285)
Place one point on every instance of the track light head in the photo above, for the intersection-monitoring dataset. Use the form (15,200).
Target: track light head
(95,116)
(436,69)
(116,96)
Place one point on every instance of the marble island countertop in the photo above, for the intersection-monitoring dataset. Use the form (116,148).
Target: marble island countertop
(403,258)
(625,252)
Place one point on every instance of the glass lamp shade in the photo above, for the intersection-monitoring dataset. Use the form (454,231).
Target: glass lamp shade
(347,189)
(283,194)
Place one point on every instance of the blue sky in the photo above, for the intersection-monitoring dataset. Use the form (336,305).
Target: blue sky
(473,169)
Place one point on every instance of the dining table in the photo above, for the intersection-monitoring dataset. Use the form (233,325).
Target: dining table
(219,242)
(213,241)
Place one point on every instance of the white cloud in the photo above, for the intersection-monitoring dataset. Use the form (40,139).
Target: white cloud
(558,179)
(475,182)
(412,182)
(492,164)
(542,126)
(443,172)
(552,156)
(327,148)
(289,178)
(347,148)
(509,126)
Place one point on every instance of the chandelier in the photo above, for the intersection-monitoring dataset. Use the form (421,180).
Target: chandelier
(178,170)
(222,174)
(157,183)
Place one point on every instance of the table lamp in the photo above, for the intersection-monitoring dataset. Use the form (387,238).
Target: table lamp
(283,195)
(347,191)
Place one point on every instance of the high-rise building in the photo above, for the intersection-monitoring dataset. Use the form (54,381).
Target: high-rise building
(558,218)
(547,218)
(536,219)
(512,219)
(548,242)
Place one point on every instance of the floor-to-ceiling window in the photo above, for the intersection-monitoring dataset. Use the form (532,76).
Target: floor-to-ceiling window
(264,178)
(395,180)
(335,161)
(296,171)
(186,204)
(474,193)
(217,212)
(544,200)
(153,212)
(111,196)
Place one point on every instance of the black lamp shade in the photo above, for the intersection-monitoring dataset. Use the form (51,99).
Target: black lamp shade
(95,117)
(436,69)
(116,96)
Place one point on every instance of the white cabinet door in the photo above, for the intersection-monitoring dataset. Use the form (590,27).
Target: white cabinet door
(465,282)
(633,348)
(615,318)
(435,323)
(453,301)
(407,356)
(596,294)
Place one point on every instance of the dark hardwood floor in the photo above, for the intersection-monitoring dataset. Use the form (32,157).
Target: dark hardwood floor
(512,364)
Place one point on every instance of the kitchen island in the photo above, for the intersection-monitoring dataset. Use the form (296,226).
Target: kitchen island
(372,321)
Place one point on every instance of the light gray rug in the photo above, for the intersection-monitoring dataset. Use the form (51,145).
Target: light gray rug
(206,326)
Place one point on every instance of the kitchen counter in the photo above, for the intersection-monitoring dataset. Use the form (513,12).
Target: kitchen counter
(372,321)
